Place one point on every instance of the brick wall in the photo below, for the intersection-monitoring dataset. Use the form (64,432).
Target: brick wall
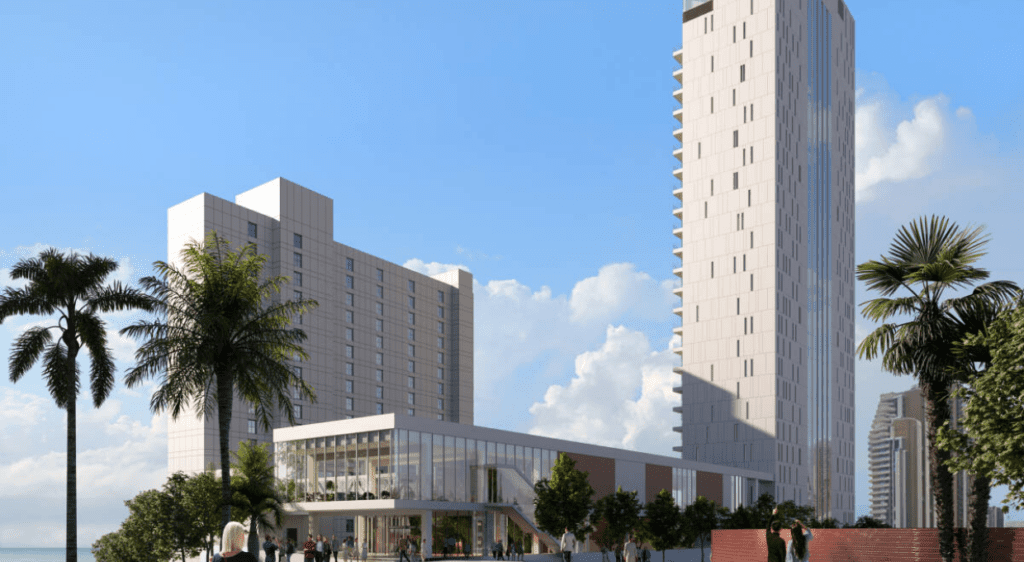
(863,545)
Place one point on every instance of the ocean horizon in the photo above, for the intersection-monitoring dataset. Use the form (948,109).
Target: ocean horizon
(42,555)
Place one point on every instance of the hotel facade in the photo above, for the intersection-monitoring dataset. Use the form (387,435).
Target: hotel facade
(766,243)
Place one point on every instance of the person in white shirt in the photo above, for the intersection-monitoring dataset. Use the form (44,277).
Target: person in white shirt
(568,544)
(796,548)
(629,550)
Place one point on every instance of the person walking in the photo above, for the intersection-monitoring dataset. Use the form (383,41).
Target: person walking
(796,548)
(309,549)
(290,549)
(403,550)
(568,544)
(327,551)
(319,555)
(629,550)
(776,546)
(365,549)
(335,545)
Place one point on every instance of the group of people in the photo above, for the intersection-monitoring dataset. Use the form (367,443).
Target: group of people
(407,548)
(275,551)
(514,551)
(794,550)
(320,549)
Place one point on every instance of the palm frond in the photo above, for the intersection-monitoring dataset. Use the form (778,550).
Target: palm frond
(881,309)
(93,334)
(885,276)
(55,371)
(27,348)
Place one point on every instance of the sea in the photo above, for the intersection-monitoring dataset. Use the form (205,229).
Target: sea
(42,555)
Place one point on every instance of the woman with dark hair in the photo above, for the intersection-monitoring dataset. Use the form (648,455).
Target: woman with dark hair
(796,550)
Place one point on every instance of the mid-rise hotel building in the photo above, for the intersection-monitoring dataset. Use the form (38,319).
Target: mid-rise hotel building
(766,243)
(384,339)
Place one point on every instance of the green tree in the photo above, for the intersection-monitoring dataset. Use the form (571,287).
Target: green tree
(989,438)
(144,536)
(662,522)
(620,514)
(219,333)
(826,523)
(73,288)
(203,498)
(256,494)
(868,522)
(185,537)
(927,259)
(564,501)
(698,520)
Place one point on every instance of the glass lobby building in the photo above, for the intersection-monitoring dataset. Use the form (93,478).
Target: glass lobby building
(372,477)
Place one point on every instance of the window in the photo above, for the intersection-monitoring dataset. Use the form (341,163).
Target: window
(297,279)
(712,270)
(350,282)
(380,408)
(252,427)
(380,359)
(410,398)
(440,296)
(411,350)
(350,352)
(735,180)
(698,313)
(295,388)
(734,97)
(350,264)
(350,369)
(410,382)
(252,230)
(440,417)
(380,291)
(252,408)
(380,275)
(380,392)
(380,324)
(380,308)
(440,357)
(744,30)
(297,240)
(350,316)
(412,318)
(440,343)
(698,151)
(350,334)
(349,387)
(735,139)
(440,372)
(440,327)
(380,342)
(440,403)
(751,48)
(412,286)
(751,112)
(411,365)
(440,388)
(412,302)
(410,412)
(379,375)
(349,403)
(296,295)
(734,34)
(440,312)
(350,299)
(743,73)
(734,264)
(297,259)
(297,410)
(712,104)
(712,63)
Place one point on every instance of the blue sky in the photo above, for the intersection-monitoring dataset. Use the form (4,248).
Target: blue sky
(529,142)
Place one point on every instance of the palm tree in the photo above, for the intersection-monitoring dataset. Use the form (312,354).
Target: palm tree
(220,332)
(71,286)
(256,493)
(928,258)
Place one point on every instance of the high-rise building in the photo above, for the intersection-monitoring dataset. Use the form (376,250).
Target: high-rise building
(384,339)
(900,468)
(766,243)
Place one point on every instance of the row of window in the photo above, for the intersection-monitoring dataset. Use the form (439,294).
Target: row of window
(350,334)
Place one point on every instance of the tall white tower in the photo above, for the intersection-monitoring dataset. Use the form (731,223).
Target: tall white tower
(766,243)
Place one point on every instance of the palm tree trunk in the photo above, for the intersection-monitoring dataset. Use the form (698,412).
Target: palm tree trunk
(942,479)
(71,539)
(224,401)
(980,492)
(254,539)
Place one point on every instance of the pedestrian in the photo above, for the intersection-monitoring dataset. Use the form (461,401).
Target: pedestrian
(269,548)
(501,550)
(568,544)
(796,549)
(776,546)
(423,548)
(346,550)
(509,550)
(629,550)
(365,549)
(403,550)
(335,545)
(412,548)
(232,541)
(290,549)
(309,549)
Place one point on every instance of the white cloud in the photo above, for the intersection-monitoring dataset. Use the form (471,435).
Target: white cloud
(431,268)
(621,396)
(911,151)
(20,409)
(616,289)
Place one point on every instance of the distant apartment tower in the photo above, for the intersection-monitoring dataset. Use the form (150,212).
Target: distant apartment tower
(900,468)
(766,243)
(995,517)
(384,339)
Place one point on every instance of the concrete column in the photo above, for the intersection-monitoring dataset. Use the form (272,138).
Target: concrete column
(536,544)
(427,528)
(503,529)
(361,533)
(314,526)
(474,535)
